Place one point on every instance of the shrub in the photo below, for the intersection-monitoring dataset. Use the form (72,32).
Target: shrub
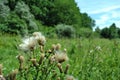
(63,30)
(85,32)
(16,25)
(3,27)
(24,13)
(4,11)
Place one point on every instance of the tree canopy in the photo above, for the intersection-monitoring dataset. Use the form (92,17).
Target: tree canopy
(46,12)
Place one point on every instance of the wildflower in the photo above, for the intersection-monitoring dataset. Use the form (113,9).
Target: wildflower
(56,47)
(36,34)
(28,44)
(61,57)
(2,78)
(52,59)
(69,77)
(98,48)
(40,38)
(91,51)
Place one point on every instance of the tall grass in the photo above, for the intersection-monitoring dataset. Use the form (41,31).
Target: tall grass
(90,59)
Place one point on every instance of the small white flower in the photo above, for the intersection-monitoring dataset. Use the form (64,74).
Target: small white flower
(91,51)
(98,48)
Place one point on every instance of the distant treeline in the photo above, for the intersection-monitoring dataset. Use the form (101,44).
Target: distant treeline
(61,18)
(110,32)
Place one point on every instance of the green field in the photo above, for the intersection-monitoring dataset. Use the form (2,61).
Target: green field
(89,59)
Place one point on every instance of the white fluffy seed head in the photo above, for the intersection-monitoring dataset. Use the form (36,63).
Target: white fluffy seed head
(28,44)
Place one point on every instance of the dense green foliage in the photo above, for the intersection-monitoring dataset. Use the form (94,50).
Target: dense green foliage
(110,32)
(32,15)
(65,31)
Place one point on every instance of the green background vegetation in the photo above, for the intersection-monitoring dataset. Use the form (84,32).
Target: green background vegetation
(61,22)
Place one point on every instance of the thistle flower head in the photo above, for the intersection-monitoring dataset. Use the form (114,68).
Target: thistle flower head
(52,59)
(2,78)
(35,34)
(40,38)
(56,47)
(61,57)
(28,44)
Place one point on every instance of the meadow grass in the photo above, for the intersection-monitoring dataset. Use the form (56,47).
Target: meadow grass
(89,59)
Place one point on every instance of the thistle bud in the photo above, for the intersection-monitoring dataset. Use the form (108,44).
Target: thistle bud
(66,69)
(21,67)
(21,58)
(41,49)
(60,67)
(13,75)
(58,46)
(41,58)
(58,78)
(34,62)
(53,47)
(54,75)
(69,77)
(0,69)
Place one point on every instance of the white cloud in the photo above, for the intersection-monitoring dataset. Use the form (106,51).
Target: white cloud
(102,19)
(106,19)
(103,10)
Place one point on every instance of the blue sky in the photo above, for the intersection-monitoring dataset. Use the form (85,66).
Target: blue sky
(104,12)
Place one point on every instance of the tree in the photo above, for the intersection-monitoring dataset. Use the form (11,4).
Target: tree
(87,21)
(97,32)
(4,11)
(23,11)
(105,33)
(113,31)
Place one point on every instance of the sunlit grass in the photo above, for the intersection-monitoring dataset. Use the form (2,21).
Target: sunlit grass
(86,61)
